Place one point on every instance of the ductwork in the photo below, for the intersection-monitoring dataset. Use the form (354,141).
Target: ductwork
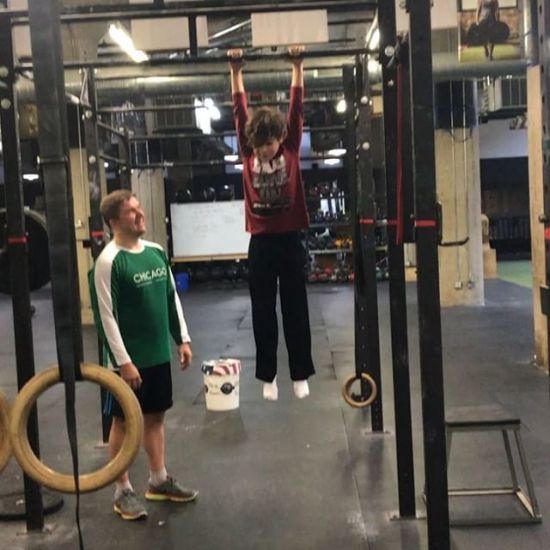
(445,67)
(119,90)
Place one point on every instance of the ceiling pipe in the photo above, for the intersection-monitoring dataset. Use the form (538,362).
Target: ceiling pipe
(445,67)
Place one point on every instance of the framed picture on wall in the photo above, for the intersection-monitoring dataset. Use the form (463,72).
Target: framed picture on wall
(468,5)
(489,30)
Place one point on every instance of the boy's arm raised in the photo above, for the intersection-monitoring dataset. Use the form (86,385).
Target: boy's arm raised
(236,67)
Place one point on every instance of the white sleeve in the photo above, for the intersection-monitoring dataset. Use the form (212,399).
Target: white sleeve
(102,281)
(179,310)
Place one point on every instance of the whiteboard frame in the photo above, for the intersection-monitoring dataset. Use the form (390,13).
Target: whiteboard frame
(190,243)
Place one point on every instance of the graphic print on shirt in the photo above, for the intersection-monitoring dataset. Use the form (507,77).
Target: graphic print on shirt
(270,180)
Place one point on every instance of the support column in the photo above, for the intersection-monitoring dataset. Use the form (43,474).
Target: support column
(148,185)
(459,193)
(536,207)
(81,205)
(429,313)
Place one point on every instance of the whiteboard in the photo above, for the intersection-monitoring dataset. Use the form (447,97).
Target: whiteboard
(209,229)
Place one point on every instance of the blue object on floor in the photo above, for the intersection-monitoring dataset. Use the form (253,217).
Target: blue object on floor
(182,281)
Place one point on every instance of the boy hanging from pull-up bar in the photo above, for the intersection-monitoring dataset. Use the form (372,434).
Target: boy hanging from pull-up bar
(276,212)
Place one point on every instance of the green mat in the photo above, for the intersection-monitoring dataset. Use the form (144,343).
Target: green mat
(518,272)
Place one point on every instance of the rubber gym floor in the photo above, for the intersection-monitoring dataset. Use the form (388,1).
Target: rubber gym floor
(300,474)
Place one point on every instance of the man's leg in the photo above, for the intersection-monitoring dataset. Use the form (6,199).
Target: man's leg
(153,440)
(126,504)
(161,485)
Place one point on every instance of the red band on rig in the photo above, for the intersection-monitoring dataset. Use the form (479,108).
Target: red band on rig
(97,234)
(547,233)
(366,221)
(425,223)
(17,240)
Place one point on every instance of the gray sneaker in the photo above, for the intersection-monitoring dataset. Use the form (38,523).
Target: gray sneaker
(170,490)
(128,506)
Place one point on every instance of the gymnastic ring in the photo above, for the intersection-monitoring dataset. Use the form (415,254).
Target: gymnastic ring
(64,483)
(5,445)
(346,391)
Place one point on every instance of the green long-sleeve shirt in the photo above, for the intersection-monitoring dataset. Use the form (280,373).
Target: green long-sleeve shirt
(136,307)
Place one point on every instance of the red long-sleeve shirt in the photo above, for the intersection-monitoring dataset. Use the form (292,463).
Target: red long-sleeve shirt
(273,192)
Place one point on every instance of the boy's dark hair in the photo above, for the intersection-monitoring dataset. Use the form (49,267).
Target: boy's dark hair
(110,205)
(264,125)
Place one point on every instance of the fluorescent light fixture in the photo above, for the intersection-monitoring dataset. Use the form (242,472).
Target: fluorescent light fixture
(154,79)
(106,164)
(202,117)
(31,177)
(231,158)
(239,167)
(126,44)
(331,162)
(215,113)
(373,66)
(339,152)
(341,106)
(230,29)
(212,109)
(375,40)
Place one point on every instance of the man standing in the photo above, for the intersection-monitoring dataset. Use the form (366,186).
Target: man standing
(136,309)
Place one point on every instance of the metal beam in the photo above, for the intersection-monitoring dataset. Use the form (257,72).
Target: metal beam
(429,306)
(17,248)
(365,276)
(82,14)
(393,99)
(53,139)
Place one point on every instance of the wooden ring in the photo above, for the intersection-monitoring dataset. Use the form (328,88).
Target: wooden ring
(64,483)
(346,391)
(5,445)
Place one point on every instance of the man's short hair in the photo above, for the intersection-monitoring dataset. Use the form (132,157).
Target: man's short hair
(110,205)
(265,125)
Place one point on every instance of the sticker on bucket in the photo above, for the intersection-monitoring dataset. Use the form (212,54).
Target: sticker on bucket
(221,384)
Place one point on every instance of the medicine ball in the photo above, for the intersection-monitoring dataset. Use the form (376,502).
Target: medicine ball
(209,194)
(184,196)
(226,193)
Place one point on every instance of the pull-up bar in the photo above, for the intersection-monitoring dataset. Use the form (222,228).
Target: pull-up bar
(202,59)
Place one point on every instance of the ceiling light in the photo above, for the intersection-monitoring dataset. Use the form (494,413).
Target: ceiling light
(339,152)
(31,177)
(239,167)
(125,43)
(341,106)
(231,158)
(375,40)
(331,162)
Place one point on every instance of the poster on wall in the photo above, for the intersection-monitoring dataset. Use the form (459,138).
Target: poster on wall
(489,30)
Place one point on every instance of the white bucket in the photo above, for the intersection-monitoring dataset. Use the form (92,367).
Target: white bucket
(221,390)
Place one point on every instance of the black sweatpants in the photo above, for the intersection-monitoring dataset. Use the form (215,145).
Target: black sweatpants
(272,258)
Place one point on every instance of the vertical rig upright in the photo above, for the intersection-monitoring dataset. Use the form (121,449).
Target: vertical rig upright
(429,305)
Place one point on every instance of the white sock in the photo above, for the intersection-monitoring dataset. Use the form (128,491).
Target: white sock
(301,389)
(120,487)
(271,392)
(157,478)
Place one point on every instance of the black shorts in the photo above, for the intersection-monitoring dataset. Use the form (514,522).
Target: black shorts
(155,392)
